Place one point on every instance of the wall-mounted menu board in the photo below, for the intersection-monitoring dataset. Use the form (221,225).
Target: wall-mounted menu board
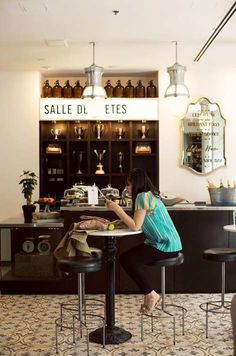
(203,137)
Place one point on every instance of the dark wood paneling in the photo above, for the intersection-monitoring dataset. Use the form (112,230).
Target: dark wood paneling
(200,230)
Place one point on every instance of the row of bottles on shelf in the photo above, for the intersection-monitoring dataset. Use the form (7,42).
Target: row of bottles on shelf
(212,185)
(119,91)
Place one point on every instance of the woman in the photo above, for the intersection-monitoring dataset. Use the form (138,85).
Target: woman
(162,239)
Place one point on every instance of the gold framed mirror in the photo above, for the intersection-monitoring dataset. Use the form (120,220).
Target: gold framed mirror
(203,137)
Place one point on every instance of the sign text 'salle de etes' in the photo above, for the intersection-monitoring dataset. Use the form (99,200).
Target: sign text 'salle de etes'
(92,109)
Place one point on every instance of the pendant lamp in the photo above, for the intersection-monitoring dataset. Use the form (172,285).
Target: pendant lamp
(94,88)
(176,73)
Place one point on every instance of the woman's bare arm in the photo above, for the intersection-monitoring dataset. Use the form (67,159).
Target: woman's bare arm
(134,223)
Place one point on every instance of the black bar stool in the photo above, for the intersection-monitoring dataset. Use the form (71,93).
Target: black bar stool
(167,309)
(80,265)
(221,255)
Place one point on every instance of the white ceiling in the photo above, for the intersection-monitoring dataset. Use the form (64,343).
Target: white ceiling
(138,39)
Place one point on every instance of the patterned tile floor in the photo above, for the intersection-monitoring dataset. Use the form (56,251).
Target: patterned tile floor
(27,329)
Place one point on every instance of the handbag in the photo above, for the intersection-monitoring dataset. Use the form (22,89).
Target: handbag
(92,223)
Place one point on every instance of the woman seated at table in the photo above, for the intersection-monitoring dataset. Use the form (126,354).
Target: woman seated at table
(162,239)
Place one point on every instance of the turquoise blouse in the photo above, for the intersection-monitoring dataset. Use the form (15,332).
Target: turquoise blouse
(157,226)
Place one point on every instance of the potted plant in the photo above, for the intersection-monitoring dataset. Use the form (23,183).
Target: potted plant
(29,183)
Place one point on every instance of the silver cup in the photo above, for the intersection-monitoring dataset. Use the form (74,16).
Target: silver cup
(79,132)
(56,133)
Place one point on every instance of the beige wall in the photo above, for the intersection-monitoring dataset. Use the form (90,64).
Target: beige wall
(19,136)
(218,85)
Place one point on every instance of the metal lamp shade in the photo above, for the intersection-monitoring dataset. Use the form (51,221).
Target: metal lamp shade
(94,88)
(177,86)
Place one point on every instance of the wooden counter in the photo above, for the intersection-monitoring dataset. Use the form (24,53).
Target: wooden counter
(200,228)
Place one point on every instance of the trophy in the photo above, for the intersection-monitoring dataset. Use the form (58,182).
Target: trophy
(120,157)
(79,132)
(144,131)
(78,156)
(120,132)
(99,129)
(56,133)
(99,155)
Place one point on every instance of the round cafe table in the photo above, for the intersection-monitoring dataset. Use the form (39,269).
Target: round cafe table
(114,334)
(230,228)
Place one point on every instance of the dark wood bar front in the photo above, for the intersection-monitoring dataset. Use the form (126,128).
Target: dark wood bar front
(199,228)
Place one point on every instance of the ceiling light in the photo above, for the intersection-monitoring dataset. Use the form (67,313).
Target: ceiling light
(56,43)
(94,88)
(176,73)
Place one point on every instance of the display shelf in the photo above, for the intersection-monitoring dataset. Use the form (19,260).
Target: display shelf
(115,149)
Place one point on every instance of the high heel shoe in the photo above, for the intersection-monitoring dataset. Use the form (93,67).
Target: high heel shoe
(148,307)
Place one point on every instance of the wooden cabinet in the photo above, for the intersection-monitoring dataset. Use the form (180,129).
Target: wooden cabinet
(31,269)
(69,153)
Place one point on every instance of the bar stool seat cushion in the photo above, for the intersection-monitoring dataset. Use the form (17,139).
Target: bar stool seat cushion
(220,254)
(80,264)
(172,261)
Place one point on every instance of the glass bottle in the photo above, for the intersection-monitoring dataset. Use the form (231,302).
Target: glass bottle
(109,89)
(129,90)
(118,90)
(151,90)
(77,90)
(221,184)
(67,90)
(139,90)
(47,90)
(57,90)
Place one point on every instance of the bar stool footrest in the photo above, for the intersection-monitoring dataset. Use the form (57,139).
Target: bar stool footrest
(216,306)
(165,310)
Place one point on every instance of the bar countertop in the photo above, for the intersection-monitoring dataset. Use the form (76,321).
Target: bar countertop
(18,221)
(181,206)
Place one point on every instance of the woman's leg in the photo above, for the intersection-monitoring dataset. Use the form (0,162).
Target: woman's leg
(134,261)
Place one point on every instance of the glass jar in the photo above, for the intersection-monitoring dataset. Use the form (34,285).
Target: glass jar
(118,90)
(77,90)
(126,199)
(110,193)
(140,90)
(129,90)
(109,89)
(57,90)
(47,90)
(67,90)
(151,90)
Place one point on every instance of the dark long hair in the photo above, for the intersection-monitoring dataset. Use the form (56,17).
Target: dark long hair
(140,183)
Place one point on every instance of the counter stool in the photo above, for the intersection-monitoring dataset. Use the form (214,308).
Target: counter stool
(80,265)
(221,255)
(169,262)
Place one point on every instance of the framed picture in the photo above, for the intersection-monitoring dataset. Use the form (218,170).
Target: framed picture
(143,148)
(53,148)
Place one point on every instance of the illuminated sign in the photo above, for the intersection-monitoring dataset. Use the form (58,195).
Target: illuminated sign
(94,109)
